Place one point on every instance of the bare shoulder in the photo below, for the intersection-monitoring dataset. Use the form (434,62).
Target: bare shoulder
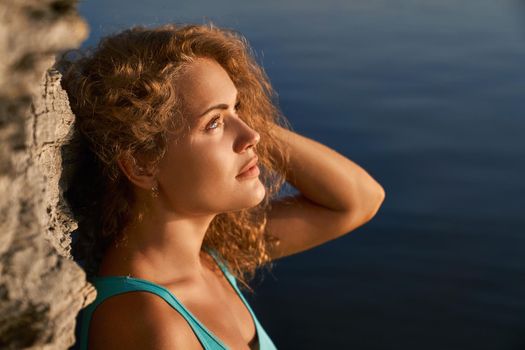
(139,320)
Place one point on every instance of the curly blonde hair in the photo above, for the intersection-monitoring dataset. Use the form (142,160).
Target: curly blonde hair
(125,99)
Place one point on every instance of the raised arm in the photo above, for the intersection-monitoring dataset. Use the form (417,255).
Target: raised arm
(336,196)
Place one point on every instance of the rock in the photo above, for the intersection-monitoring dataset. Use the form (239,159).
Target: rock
(41,288)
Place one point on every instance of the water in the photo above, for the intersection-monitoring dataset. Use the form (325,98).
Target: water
(428,97)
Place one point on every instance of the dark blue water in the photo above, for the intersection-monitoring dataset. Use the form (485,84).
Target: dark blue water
(429,98)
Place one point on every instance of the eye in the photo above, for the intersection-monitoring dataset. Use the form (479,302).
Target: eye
(214,123)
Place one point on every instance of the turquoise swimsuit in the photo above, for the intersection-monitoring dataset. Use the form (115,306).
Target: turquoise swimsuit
(109,286)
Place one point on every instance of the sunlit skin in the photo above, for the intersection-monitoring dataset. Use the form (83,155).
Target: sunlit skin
(198,175)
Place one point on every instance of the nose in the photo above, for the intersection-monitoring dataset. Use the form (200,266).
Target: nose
(246,137)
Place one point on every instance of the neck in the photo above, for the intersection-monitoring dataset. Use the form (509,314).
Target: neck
(161,247)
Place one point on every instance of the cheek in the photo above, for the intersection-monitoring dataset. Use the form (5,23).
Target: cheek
(214,171)
(202,173)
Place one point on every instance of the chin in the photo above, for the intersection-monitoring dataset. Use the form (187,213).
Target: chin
(261,193)
(255,198)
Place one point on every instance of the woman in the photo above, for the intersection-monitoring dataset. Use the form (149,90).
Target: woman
(189,152)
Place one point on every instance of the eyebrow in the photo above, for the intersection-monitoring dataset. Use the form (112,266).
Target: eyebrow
(219,106)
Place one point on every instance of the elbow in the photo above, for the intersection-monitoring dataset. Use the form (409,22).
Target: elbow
(365,212)
(375,202)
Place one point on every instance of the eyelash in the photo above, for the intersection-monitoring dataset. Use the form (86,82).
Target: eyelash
(237,106)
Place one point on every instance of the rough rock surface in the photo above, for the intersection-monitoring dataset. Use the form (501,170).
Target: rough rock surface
(41,288)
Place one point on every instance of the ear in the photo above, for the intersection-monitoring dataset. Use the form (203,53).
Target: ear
(139,175)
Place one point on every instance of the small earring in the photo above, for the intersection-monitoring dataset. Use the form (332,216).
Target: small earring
(155,191)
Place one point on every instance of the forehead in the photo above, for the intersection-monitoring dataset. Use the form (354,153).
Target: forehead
(205,83)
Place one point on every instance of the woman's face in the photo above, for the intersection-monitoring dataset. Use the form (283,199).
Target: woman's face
(200,171)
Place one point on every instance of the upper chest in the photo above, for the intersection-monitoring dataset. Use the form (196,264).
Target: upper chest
(213,301)
(220,309)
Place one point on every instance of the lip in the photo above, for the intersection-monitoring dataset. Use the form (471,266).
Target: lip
(249,170)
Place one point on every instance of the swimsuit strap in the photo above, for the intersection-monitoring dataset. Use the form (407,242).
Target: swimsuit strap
(108,286)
